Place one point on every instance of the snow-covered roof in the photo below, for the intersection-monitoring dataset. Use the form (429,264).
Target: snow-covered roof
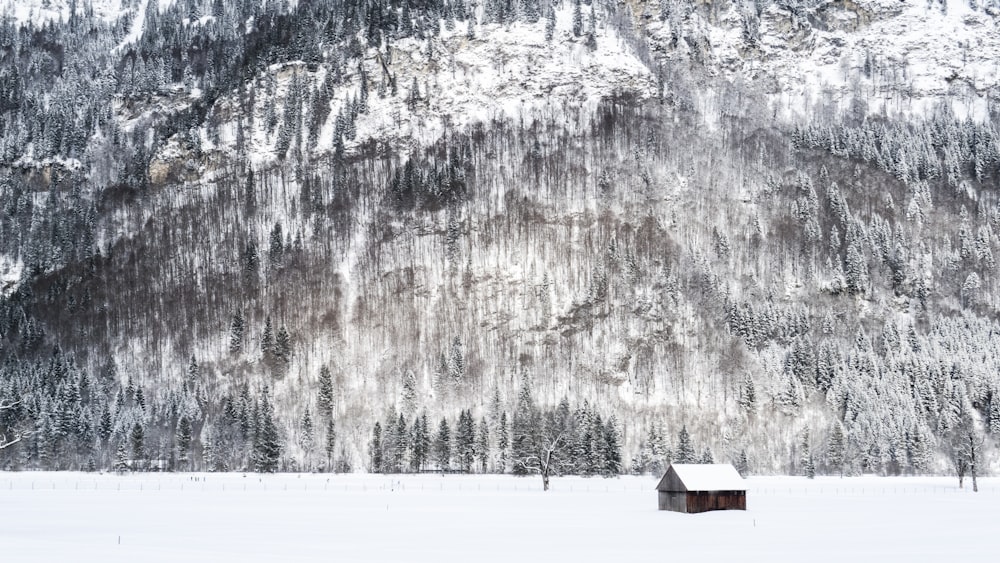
(704,477)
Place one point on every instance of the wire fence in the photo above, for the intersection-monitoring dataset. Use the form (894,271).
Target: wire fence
(404,484)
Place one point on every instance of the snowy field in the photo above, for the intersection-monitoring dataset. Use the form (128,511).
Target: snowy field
(212,517)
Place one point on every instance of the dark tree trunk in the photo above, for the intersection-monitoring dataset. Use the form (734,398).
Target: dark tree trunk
(972,461)
(546,464)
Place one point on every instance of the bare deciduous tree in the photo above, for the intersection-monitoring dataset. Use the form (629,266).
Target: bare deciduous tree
(549,458)
(6,442)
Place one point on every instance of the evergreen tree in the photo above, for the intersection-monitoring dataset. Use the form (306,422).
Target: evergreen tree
(184,439)
(140,399)
(524,429)
(748,395)
(456,363)
(375,453)
(236,328)
(267,442)
(409,393)
(592,29)
(276,246)
(685,450)
(267,342)
(283,348)
(465,438)
(806,463)
(835,449)
(307,439)
(994,416)
(442,446)
(743,463)
(577,19)
(401,445)
(137,441)
(503,444)
(325,398)
(483,445)
(856,270)
(612,452)
(550,23)
(121,459)
(421,443)
(331,443)
(105,426)
(251,260)
(193,373)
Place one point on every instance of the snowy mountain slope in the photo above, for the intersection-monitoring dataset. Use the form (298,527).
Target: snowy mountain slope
(40,11)
(507,73)
(870,56)
(443,215)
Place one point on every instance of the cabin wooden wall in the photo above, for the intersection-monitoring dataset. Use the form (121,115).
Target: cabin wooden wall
(675,501)
(702,501)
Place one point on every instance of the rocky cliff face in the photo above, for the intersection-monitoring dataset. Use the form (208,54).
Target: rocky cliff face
(878,57)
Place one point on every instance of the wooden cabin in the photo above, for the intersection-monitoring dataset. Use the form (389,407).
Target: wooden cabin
(700,487)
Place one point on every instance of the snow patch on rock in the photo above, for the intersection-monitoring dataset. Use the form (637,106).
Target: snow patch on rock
(502,72)
(11,272)
(871,56)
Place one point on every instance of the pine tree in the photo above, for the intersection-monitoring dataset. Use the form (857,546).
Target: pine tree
(706,456)
(835,449)
(994,416)
(208,454)
(105,426)
(137,439)
(401,445)
(251,260)
(409,393)
(283,348)
(483,445)
(121,459)
(331,443)
(307,439)
(442,446)
(375,454)
(524,429)
(743,463)
(612,452)
(465,439)
(856,269)
(577,19)
(193,373)
(805,456)
(591,41)
(456,363)
(325,398)
(503,444)
(267,442)
(267,342)
(421,443)
(236,328)
(276,246)
(184,440)
(748,396)
(550,23)
(685,450)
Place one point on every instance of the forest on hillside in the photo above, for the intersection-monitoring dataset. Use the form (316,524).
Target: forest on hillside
(221,265)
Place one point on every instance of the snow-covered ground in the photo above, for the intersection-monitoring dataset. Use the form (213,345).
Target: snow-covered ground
(182,517)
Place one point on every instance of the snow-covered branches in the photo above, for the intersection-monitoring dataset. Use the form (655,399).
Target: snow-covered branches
(16,437)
